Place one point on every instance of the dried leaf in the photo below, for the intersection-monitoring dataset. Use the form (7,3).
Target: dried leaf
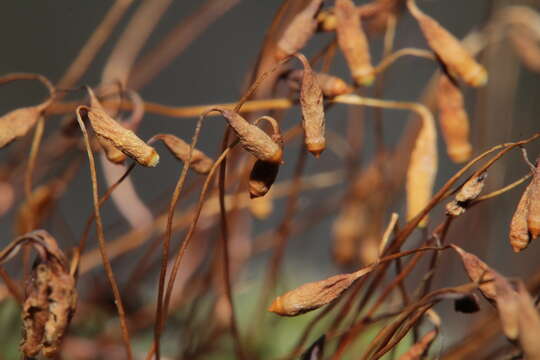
(468,192)
(299,31)
(110,132)
(448,49)
(353,42)
(311,101)
(417,351)
(519,233)
(533,210)
(453,120)
(200,162)
(253,139)
(262,177)
(422,168)
(479,272)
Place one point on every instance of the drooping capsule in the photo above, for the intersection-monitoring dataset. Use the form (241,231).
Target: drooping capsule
(200,162)
(448,49)
(533,210)
(353,42)
(519,232)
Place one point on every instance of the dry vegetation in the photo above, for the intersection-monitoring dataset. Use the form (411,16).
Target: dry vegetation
(77,302)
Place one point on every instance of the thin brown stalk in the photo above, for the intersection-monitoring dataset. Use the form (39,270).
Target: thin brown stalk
(101,241)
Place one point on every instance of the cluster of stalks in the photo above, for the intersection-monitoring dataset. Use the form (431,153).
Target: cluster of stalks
(372,301)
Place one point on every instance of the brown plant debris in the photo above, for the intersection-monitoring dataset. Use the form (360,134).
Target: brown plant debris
(353,42)
(468,192)
(200,162)
(448,49)
(453,120)
(50,300)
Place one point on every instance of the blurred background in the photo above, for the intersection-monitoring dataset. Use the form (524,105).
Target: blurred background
(44,37)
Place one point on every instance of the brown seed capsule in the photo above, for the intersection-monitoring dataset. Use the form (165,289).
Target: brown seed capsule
(252,138)
(110,132)
(326,20)
(468,192)
(533,210)
(35,210)
(478,271)
(299,31)
(453,120)
(200,162)
(312,295)
(519,232)
(331,86)
(312,106)
(384,12)
(422,168)
(526,47)
(353,42)
(421,347)
(262,177)
(448,49)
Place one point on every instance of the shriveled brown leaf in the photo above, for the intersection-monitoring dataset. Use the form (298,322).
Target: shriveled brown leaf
(200,162)
(312,106)
(353,42)
(468,192)
(299,31)
(453,120)
(519,232)
(479,272)
(417,351)
(448,49)
(422,169)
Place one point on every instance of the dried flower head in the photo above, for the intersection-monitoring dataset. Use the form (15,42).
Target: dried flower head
(200,162)
(353,42)
(448,49)
(110,132)
(299,31)
(453,120)
(253,139)
(519,231)
(468,192)
(311,101)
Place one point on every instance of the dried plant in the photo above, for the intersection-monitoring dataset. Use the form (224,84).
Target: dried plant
(176,271)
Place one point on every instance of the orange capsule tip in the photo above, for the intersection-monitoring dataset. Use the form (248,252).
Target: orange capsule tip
(316,148)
